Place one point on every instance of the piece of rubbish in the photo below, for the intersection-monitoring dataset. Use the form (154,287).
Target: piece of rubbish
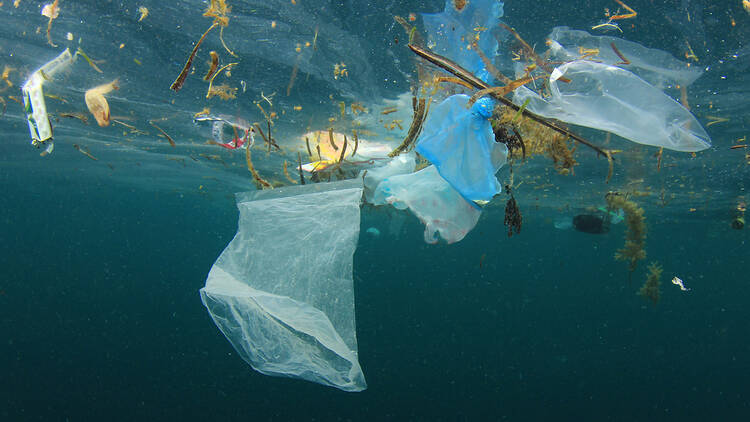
(443,211)
(228,132)
(590,223)
(461,145)
(373,232)
(97,103)
(143,10)
(451,33)
(677,281)
(282,290)
(615,100)
(33,100)
(402,164)
(657,67)
(85,151)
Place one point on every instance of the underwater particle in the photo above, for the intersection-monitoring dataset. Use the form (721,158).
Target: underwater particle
(223,91)
(459,4)
(678,281)
(69,36)
(97,104)
(650,289)
(745,4)
(373,232)
(144,12)
(513,218)
(412,17)
(273,24)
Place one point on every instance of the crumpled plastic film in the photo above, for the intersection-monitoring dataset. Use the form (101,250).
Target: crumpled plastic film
(282,290)
(609,98)
(655,66)
(441,208)
(450,32)
(403,163)
(461,145)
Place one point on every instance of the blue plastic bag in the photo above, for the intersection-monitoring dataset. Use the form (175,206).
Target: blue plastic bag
(451,33)
(461,145)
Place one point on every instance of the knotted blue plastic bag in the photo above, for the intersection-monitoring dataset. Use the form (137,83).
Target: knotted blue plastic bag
(461,145)
(451,32)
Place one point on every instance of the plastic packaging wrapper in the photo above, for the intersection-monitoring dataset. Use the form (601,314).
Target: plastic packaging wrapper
(282,290)
(228,132)
(461,145)
(400,164)
(615,100)
(655,66)
(443,211)
(450,33)
(40,128)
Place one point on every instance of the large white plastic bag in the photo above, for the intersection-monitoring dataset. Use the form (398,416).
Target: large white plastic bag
(460,143)
(615,100)
(282,290)
(657,67)
(433,200)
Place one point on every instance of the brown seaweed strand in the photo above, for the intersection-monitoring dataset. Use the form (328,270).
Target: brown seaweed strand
(177,84)
(356,143)
(414,129)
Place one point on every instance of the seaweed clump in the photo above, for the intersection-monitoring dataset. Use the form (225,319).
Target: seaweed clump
(650,289)
(539,139)
(635,236)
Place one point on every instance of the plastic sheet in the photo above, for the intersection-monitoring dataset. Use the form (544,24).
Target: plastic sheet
(400,164)
(655,66)
(461,145)
(441,208)
(615,100)
(282,290)
(450,33)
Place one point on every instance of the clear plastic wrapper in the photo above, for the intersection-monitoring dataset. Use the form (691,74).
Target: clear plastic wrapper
(282,290)
(609,98)
(442,210)
(657,67)
(451,32)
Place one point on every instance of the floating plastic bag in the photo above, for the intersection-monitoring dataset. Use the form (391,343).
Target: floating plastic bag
(282,293)
(442,210)
(450,32)
(615,100)
(655,66)
(33,100)
(401,164)
(461,145)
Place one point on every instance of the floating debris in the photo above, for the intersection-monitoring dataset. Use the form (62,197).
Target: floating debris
(51,11)
(97,104)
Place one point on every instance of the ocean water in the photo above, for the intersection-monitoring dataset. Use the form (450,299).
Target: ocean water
(100,316)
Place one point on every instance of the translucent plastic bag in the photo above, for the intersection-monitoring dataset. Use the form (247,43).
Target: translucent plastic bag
(282,290)
(655,66)
(613,99)
(450,32)
(400,164)
(461,145)
(442,210)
